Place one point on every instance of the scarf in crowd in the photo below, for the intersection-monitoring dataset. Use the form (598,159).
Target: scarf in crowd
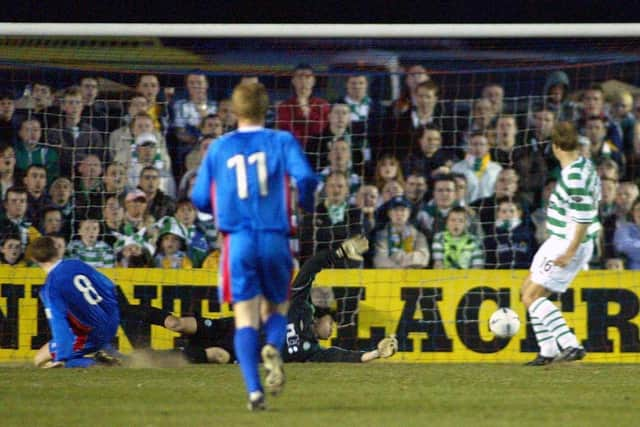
(336,212)
(479,165)
(399,240)
(359,110)
(508,224)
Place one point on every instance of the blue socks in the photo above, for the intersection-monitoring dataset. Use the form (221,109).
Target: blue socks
(246,344)
(275,330)
(247,347)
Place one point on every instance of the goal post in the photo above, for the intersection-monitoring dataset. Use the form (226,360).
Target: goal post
(491,80)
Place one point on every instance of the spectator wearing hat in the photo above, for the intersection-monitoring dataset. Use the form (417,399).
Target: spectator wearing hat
(172,245)
(146,153)
(122,140)
(133,252)
(88,248)
(399,244)
(136,220)
(158,203)
(303,114)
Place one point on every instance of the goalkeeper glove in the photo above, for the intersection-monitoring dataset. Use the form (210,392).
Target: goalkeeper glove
(353,248)
(387,347)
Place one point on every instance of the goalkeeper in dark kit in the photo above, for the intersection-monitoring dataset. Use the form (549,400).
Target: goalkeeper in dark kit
(307,323)
(211,340)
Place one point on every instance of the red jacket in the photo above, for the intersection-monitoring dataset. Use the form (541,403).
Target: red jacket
(289,117)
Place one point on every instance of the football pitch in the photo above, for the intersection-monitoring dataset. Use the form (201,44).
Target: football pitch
(328,395)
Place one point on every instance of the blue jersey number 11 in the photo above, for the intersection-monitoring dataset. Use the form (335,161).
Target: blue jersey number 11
(238,162)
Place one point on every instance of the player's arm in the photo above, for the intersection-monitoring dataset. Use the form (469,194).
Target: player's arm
(351,248)
(337,355)
(201,194)
(299,168)
(386,348)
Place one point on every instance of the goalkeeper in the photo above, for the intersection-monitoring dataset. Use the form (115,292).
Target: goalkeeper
(307,323)
(211,340)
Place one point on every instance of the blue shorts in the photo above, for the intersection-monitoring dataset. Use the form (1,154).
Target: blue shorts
(255,263)
(84,343)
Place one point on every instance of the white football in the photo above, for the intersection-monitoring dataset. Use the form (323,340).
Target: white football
(504,323)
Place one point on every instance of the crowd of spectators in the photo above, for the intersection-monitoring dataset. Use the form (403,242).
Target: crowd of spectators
(429,186)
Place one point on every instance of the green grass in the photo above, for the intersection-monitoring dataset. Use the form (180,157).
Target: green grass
(327,395)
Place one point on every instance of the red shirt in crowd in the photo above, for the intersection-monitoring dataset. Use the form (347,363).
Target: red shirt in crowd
(290,117)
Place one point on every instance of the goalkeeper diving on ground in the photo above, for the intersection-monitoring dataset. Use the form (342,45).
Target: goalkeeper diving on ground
(211,340)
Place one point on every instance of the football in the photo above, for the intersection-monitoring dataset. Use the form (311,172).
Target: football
(504,323)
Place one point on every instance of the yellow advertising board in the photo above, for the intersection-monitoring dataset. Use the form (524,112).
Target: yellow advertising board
(437,315)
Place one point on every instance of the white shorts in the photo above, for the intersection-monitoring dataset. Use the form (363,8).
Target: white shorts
(557,279)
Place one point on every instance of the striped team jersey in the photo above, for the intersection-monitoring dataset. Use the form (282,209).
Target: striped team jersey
(575,200)
(98,256)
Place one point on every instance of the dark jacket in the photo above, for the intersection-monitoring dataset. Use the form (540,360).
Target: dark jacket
(510,249)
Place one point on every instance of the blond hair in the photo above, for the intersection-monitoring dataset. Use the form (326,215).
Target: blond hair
(250,101)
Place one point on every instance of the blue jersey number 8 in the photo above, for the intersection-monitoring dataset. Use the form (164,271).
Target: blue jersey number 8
(84,285)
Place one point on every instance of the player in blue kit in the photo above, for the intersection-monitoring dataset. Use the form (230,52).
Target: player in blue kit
(80,305)
(244,181)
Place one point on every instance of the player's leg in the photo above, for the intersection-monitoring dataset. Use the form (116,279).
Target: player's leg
(43,355)
(276,269)
(546,341)
(546,277)
(246,343)
(240,283)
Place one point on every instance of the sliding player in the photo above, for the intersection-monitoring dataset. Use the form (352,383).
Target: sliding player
(211,340)
(81,308)
(244,177)
(572,224)
(308,323)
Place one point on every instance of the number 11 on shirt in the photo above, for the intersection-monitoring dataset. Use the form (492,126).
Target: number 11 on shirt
(238,161)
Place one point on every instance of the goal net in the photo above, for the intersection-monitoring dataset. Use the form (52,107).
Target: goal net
(437,149)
